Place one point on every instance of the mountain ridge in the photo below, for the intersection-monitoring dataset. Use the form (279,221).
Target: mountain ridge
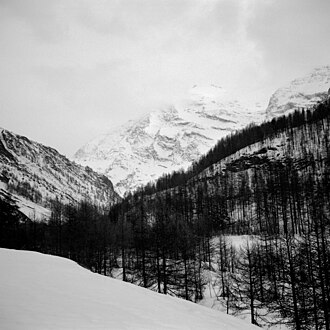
(36,174)
(166,139)
(302,92)
(172,138)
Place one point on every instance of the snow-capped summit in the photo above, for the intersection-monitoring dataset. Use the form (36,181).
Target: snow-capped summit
(173,137)
(303,92)
(213,92)
(167,139)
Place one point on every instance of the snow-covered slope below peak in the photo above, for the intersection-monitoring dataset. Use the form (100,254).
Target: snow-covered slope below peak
(302,92)
(167,139)
(40,291)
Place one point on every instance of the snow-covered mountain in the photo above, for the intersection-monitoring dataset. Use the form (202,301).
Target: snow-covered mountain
(302,92)
(167,139)
(35,174)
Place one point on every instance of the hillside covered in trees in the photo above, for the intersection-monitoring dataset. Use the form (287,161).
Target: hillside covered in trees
(270,181)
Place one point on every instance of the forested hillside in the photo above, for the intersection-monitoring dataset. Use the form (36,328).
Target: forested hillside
(270,180)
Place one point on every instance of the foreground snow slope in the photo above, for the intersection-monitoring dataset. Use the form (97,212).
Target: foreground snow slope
(45,292)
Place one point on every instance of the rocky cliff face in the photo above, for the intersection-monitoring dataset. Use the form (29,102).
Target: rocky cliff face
(167,139)
(303,92)
(35,174)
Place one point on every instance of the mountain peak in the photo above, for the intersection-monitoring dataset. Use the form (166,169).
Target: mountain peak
(167,139)
(211,92)
(302,92)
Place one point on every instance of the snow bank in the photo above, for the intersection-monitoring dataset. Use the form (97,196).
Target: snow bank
(45,292)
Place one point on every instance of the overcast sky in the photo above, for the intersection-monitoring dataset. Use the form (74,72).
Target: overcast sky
(71,69)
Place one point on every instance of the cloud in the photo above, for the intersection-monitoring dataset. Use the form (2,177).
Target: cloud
(96,64)
(291,35)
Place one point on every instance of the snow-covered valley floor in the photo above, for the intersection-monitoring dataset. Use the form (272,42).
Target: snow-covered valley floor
(40,291)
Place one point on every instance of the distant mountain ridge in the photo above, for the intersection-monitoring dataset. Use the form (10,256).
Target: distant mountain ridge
(174,137)
(302,92)
(36,174)
(165,140)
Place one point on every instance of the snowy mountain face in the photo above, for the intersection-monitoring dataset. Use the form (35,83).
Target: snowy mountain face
(36,174)
(165,140)
(303,92)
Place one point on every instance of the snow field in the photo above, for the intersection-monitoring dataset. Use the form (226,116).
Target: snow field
(39,291)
